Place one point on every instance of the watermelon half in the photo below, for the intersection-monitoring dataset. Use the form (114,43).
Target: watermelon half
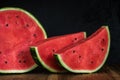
(43,53)
(86,56)
(18,30)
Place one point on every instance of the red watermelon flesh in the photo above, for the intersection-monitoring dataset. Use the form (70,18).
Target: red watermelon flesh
(87,56)
(18,30)
(44,51)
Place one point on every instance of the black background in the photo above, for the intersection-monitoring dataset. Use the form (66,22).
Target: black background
(62,17)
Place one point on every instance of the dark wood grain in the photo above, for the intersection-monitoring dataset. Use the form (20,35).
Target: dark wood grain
(106,73)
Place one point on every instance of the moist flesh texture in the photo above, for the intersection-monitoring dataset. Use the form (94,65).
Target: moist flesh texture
(87,55)
(18,31)
(46,49)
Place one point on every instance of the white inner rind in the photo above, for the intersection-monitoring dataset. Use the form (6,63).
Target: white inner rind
(41,61)
(29,14)
(85,71)
(35,49)
(19,71)
(38,23)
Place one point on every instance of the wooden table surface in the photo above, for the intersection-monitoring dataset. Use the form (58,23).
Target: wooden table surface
(105,73)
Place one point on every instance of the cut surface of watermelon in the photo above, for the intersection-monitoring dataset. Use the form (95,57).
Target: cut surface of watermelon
(44,52)
(18,30)
(86,56)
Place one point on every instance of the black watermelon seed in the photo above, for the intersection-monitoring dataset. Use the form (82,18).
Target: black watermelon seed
(92,62)
(27,25)
(75,38)
(20,61)
(53,50)
(102,49)
(79,56)
(17,16)
(103,40)
(6,62)
(34,35)
(24,61)
(6,25)
(73,51)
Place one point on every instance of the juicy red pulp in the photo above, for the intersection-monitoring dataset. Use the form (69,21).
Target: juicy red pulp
(88,54)
(18,31)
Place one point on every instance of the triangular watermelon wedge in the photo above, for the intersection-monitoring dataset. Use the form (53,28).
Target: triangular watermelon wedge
(86,56)
(43,53)
(18,31)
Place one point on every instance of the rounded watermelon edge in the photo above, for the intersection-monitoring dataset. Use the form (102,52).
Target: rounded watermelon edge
(40,26)
(18,71)
(59,59)
(40,62)
(28,13)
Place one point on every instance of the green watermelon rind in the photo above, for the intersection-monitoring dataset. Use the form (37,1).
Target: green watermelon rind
(42,29)
(18,71)
(59,58)
(40,62)
(29,14)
